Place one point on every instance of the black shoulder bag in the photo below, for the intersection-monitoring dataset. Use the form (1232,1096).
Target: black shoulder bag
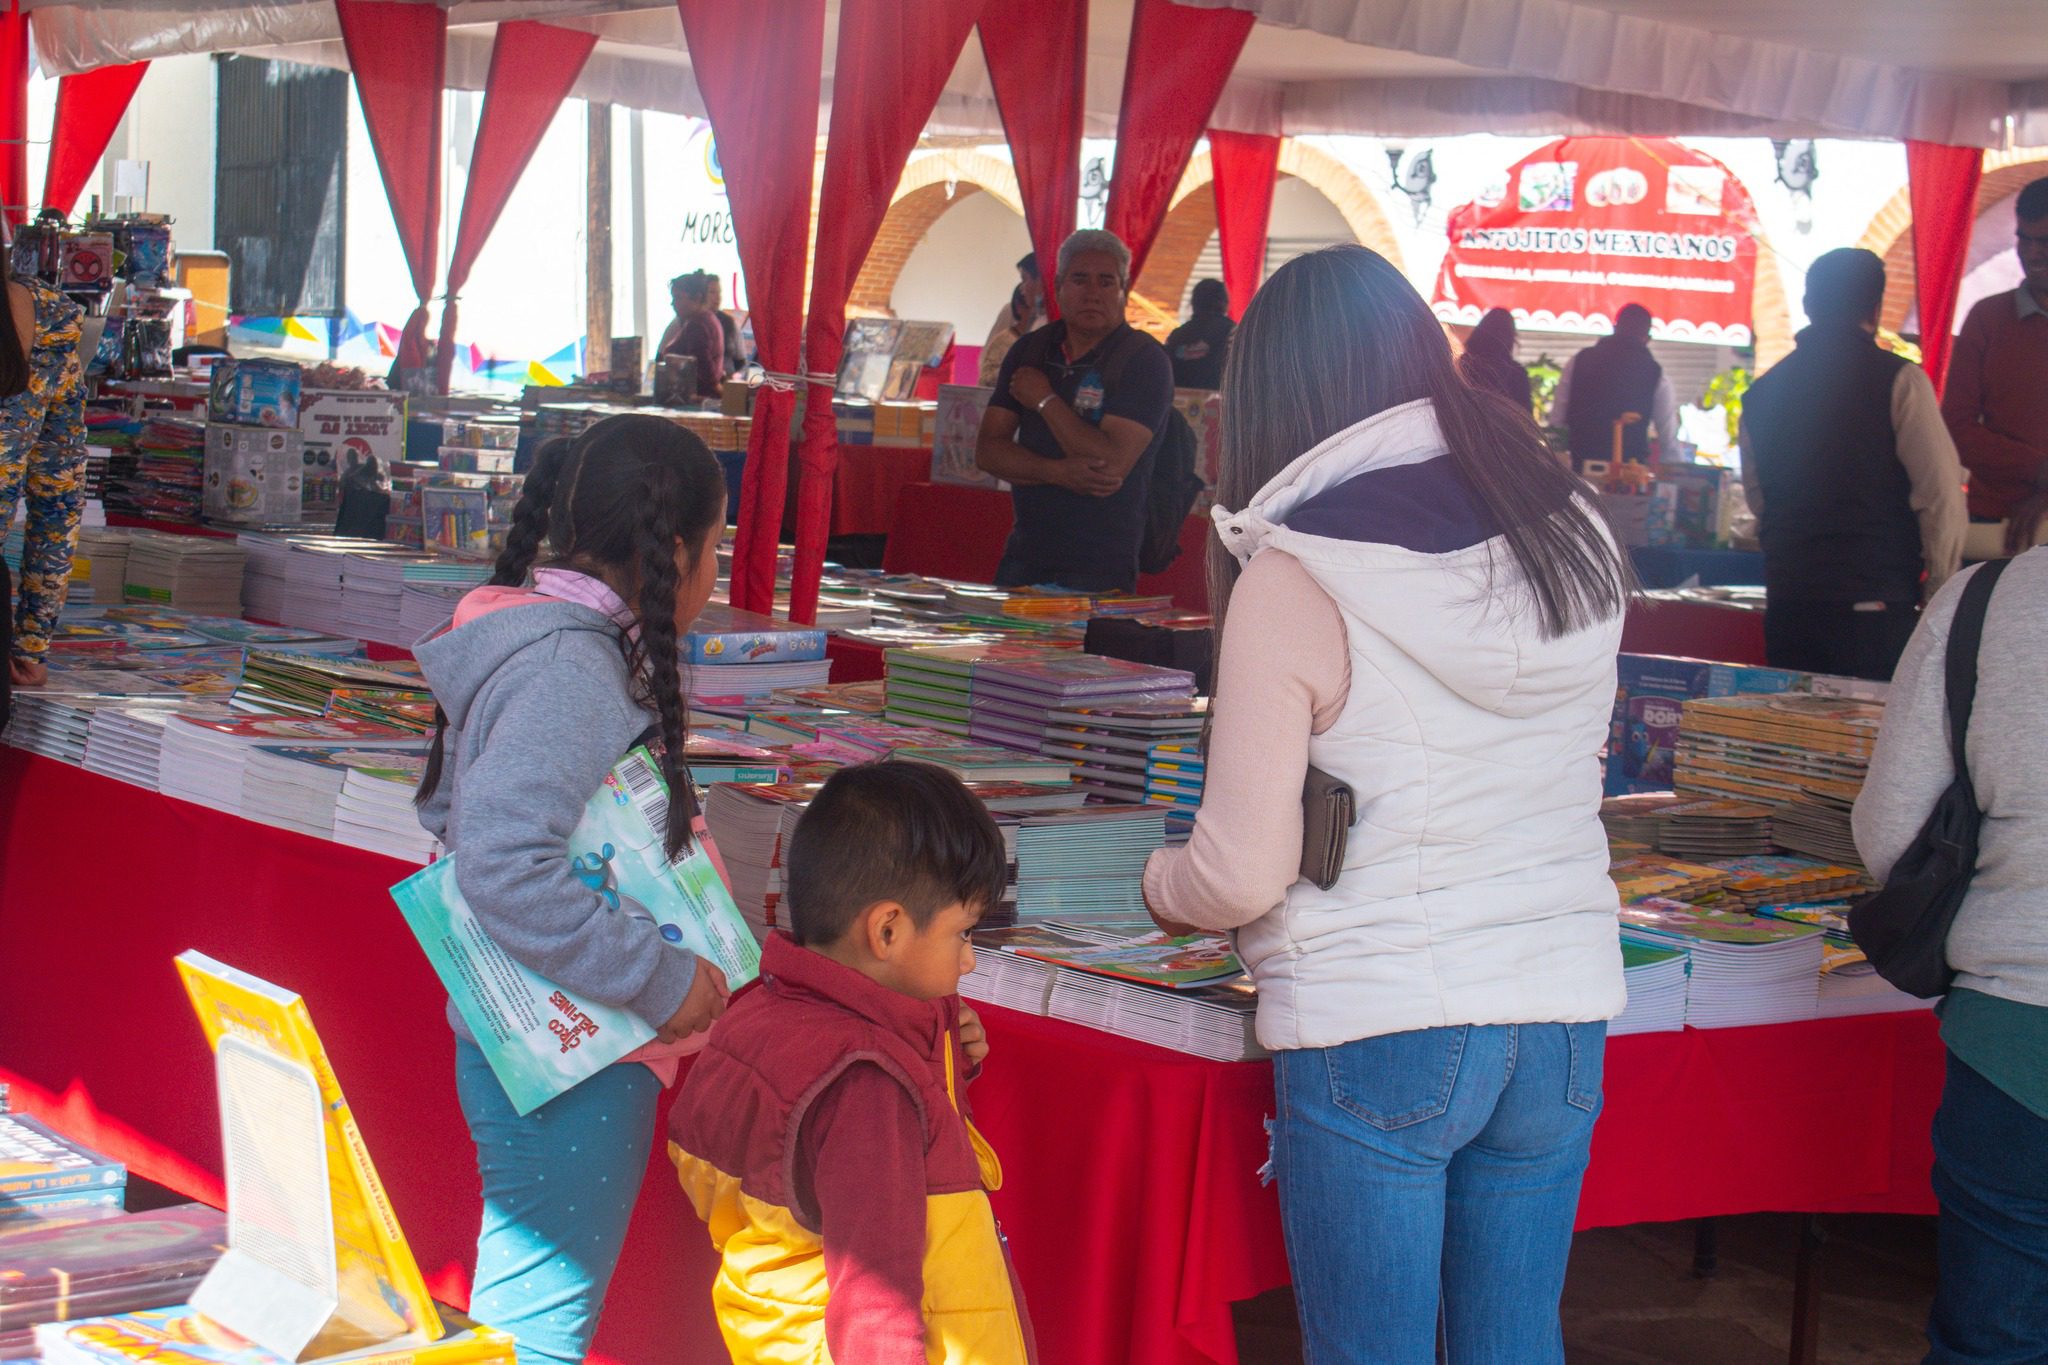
(1903,929)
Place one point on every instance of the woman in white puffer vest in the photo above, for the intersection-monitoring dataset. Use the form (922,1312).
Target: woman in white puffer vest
(1418,600)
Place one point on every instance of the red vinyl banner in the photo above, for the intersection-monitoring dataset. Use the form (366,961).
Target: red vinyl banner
(1586,225)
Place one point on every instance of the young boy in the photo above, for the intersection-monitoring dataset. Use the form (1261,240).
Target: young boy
(822,1134)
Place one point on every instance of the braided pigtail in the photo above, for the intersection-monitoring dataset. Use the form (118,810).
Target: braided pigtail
(655,658)
(522,546)
(530,519)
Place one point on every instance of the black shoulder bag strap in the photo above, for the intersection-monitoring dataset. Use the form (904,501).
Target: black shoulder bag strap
(1904,928)
(1965,636)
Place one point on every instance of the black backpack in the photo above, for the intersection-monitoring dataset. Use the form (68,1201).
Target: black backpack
(1903,929)
(1175,484)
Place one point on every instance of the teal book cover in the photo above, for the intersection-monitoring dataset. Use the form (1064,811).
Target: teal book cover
(540,1039)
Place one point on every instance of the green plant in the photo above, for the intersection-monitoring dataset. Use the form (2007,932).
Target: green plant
(1543,377)
(1724,391)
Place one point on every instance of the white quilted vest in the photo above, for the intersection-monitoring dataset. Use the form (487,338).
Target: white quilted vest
(1475,887)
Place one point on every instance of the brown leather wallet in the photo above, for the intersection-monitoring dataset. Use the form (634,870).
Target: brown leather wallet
(1327,810)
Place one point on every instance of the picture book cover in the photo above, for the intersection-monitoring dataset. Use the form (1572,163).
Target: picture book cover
(540,1039)
(1153,960)
(1072,674)
(1677,920)
(382,1293)
(286,729)
(34,1160)
(181,1335)
(724,634)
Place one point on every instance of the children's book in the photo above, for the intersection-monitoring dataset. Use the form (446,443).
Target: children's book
(724,634)
(1154,959)
(36,1161)
(381,1294)
(540,1039)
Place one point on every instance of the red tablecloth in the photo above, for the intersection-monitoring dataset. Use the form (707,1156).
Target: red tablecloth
(1131,1198)
(854,660)
(865,488)
(1695,630)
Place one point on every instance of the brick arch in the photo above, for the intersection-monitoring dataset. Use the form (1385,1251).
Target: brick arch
(931,184)
(1890,236)
(1191,221)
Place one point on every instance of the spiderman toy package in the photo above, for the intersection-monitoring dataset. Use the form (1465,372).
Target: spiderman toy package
(540,1039)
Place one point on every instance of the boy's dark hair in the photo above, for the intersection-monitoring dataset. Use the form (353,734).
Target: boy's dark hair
(618,498)
(903,832)
(1845,285)
(695,284)
(1209,296)
(2033,202)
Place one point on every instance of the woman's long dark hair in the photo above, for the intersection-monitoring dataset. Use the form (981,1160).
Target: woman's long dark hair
(14,347)
(1339,335)
(613,504)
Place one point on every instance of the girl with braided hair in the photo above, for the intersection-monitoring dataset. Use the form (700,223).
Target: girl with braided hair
(545,678)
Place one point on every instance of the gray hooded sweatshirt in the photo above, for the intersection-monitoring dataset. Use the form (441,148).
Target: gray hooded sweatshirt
(539,708)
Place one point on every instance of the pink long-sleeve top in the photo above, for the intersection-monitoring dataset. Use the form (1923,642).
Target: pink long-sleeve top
(1283,674)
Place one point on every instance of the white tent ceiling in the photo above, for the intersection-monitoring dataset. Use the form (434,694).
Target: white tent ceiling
(1960,71)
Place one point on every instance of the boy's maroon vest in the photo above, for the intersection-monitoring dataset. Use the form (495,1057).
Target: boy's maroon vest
(784,1041)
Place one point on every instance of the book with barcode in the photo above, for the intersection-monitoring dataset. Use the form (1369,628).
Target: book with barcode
(539,1038)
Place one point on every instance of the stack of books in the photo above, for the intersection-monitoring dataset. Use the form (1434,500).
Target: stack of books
(374,585)
(297,788)
(117,1264)
(125,740)
(1639,876)
(279,684)
(1087,864)
(1848,983)
(424,608)
(987,763)
(280,567)
(397,707)
(375,811)
(1766,880)
(1186,994)
(752,825)
(45,1175)
(862,698)
(202,759)
(1745,969)
(1173,779)
(186,573)
(1805,757)
(720,755)
(859,739)
(1110,744)
(99,563)
(930,685)
(1013,700)
(737,655)
(163,477)
(53,726)
(1688,826)
(1656,978)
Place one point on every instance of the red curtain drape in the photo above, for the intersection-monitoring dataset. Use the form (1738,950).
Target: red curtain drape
(1245,165)
(89,108)
(1943,184)
(1174,71)
(14,113)
(533,67)
(760,83)
(1037,58)
(399,55)
(893,60)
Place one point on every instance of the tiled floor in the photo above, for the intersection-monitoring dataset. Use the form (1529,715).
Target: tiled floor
(1632,1298)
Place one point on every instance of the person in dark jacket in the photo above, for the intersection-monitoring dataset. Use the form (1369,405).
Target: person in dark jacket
(1199,345)
(1610,379)
(1855,481)
(1489,362)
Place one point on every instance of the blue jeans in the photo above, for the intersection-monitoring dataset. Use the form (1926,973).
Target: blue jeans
(1430,1179)
(1991,1175)
(559,1186)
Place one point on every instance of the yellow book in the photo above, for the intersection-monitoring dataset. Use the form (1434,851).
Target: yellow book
(381,1293)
